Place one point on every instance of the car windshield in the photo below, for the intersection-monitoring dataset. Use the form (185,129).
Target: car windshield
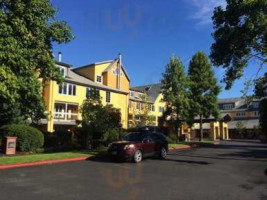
(134,137)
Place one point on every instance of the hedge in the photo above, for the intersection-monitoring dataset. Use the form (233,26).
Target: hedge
(29,139)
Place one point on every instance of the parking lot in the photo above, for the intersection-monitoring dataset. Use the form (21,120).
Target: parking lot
(232,170)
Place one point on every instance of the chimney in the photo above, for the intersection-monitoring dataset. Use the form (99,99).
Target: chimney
(59,56)
(119,71)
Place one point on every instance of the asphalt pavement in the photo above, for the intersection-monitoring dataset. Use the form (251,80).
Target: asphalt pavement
(232,170)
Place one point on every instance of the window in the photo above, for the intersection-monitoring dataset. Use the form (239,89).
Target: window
(151,107)
(63,71)
(131,93)
(161,109)
(72,89)
(241,114)
(108,96)
(67,89)
(116,71)
(92,93)
(255,104)
(138,106)
(228,106)
(99,79)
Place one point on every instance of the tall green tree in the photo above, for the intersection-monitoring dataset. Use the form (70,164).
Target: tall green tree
(240,36)
(27,31)
(175,93)
(261,92)
(203,89)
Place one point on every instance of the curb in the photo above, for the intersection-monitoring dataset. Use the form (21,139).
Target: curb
(46,162)
(180,148)
(50,162)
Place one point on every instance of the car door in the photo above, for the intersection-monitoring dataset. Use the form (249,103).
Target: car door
(148,145)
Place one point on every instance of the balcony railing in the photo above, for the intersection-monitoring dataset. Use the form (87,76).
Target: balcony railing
(66,116)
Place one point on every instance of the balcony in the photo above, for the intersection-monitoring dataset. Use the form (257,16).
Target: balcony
(65,113)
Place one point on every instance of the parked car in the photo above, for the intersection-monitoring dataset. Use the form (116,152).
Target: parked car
(137,145)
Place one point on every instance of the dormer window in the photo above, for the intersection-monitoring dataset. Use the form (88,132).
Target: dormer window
(228,106)
(63,71)
(99,79)
(255,104)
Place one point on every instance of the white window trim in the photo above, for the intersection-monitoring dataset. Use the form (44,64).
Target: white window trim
(65,71)
(100,79)
(255,104)
(67,90)
(228,106)
(108,92)
(241,114)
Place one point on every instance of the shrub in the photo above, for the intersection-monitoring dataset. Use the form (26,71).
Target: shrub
(100,124)
(29,139)
(57,138)
(111,135)
(172,138)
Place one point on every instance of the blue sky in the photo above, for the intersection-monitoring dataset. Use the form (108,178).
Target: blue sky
(146,32)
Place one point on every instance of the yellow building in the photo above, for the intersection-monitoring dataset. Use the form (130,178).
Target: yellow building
(63,102)
(110,79)
(151,96)
(146,100)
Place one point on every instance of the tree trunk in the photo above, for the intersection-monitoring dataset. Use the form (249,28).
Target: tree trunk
(201,129)
(177,131)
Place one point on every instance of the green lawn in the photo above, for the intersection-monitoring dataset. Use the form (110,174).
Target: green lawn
(195,143)
(42,157)
(74,154)
(178,145)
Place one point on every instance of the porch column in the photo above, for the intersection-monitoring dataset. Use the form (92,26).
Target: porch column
(212,131)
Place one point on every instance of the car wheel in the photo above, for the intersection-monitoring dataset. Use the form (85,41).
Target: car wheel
(163,153)
(138,156)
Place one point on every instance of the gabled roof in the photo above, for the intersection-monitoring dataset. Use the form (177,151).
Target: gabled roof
(240,104)
(63,64)
(152,90)
(112,62)
(73,77)
(229,100)
(94,64)
(111,66)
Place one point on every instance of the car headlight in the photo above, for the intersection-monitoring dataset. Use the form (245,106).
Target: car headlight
(129,146)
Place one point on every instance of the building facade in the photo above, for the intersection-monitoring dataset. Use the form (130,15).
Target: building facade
(111,81)
(63,102)
(244,114)
(146,101)
(150,96)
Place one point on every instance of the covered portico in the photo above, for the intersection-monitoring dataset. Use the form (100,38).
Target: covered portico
(216,130)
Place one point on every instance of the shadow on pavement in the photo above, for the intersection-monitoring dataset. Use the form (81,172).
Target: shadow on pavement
(189,161)
(247,155)
(105,159)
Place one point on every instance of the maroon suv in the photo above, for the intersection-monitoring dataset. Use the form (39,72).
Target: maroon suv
(135,146)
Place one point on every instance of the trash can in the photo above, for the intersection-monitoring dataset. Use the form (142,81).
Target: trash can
(10,145)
